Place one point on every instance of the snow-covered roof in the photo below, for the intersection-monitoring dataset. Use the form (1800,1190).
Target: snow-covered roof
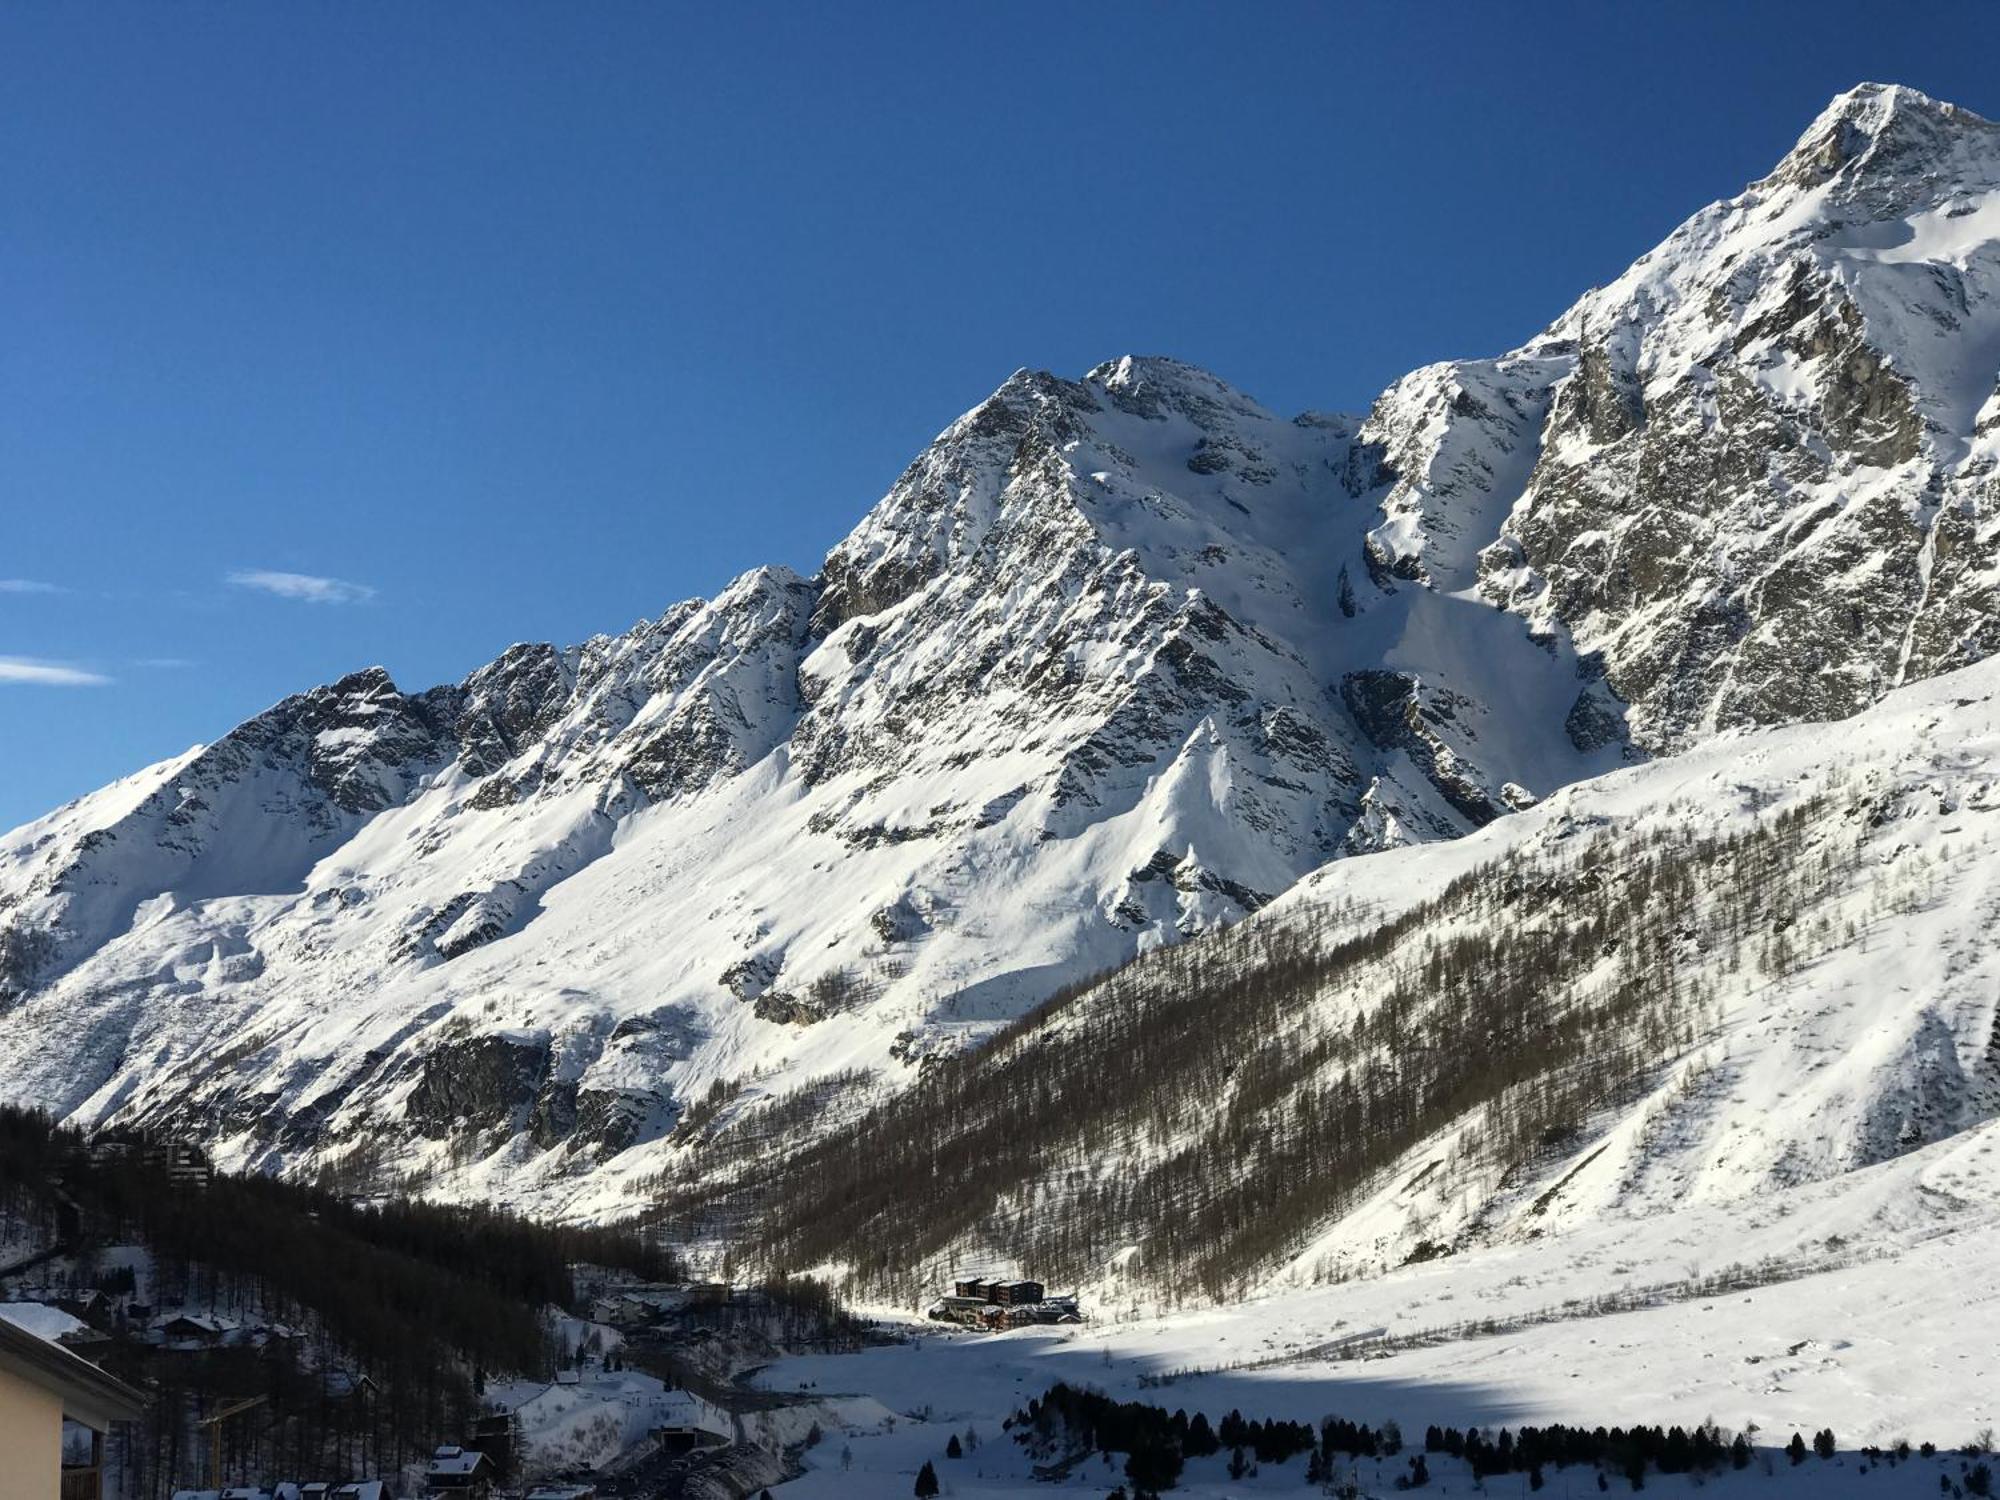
(206,1322)
(683,1409)
(40,1319)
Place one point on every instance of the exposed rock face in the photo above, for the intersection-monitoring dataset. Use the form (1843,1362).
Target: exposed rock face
(485,1083)
(1771,435)
(1116,660)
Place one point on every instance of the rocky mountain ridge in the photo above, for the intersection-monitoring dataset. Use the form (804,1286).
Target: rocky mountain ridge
(1116,661)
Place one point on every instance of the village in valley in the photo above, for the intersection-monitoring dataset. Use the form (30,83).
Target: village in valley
(187,1379)
(643,1403)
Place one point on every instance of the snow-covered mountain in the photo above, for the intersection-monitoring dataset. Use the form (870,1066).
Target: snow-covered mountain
(1757,967)
(1754,477)
(1118,660)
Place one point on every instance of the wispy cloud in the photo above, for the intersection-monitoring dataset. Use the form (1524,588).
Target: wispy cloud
(304,587)
(29,586)
(27,669)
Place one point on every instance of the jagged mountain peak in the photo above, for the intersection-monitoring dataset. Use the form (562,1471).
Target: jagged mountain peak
(1155,386)
(1878,127)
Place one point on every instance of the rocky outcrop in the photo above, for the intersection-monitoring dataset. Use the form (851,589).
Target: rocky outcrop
(488,1083)
(1767,432)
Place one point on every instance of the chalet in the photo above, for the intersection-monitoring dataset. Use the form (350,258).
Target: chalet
(86,1302)
(457,1473)
(625,1312)
(43,1387)
(493,1434)
(346,1385)
(360,1489)
(195,1329)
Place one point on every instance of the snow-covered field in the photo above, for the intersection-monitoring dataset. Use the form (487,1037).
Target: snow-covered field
(1900,1344)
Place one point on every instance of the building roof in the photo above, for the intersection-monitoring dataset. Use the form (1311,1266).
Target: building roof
(41,1319)
(89,1396)
(456,1461)
(684,1409)
(203,1322)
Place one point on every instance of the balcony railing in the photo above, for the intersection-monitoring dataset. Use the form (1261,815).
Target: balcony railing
(82,1483)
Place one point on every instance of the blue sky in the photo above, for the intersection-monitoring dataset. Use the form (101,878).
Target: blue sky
(342,334)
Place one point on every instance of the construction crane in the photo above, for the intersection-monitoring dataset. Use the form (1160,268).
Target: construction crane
(214,1426)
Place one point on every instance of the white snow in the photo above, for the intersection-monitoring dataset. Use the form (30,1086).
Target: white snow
(40,1319)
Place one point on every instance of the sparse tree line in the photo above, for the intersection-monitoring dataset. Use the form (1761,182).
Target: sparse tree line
(1218,1102)
(1067,1424)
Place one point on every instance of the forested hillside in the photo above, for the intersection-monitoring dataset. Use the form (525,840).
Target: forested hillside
(1434,1048)
(332,1296)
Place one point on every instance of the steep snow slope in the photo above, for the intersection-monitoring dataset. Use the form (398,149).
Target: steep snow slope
(1761,964)
(1116,661)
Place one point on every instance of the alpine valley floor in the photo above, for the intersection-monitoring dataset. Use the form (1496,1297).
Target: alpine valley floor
(1893,1342)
